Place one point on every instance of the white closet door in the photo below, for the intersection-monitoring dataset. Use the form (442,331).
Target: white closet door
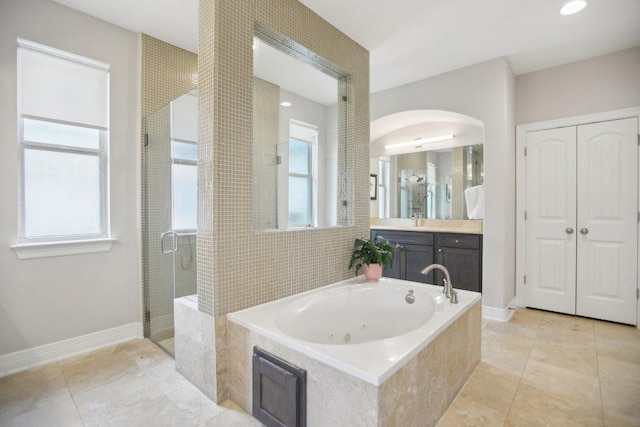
(551,220)
(608,220)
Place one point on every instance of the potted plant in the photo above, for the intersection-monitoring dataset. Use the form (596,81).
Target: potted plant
(372,255)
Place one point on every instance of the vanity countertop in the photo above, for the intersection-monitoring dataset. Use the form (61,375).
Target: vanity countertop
(428,225)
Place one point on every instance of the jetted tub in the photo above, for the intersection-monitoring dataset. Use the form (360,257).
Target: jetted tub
(368,330)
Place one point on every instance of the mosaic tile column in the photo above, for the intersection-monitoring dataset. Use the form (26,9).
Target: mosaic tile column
(237,266)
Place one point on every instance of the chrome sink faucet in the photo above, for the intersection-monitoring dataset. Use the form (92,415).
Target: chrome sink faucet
(448,290)
(416,218)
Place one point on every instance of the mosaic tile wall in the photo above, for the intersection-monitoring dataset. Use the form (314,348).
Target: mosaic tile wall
(166,73)
(238,267)
(266,112)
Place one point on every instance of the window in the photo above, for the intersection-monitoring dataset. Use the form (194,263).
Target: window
(63,113)
(184,160)
(302,147)
(384,182)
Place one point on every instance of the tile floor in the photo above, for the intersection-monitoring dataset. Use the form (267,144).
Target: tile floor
(539,369)
(130,384)
(547,369)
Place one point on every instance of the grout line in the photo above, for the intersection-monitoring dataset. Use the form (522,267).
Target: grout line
(535,338)
(66,383)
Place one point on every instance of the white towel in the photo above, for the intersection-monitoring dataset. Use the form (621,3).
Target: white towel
(474,197)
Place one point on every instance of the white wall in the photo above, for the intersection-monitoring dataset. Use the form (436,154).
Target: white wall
(484,91)
(604,83)
(51,299)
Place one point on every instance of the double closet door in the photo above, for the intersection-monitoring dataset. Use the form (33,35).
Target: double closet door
(582,220)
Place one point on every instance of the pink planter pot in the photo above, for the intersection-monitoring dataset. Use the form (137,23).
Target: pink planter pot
(373,272)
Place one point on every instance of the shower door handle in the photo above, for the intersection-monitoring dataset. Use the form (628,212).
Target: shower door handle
(174,246)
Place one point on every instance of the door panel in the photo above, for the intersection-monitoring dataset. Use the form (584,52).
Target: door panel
(463,265)
(417,258)
(607,220)
(551,219)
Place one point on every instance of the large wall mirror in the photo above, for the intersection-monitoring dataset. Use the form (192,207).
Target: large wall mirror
(298,145)
(430,170)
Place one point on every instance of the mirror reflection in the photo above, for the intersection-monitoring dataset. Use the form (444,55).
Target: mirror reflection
(437,184)
(295,142)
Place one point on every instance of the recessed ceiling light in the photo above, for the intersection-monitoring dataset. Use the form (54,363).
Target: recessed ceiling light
(285,104)
(573,6)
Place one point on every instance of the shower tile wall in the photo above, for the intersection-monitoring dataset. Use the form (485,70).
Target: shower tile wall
(167,72)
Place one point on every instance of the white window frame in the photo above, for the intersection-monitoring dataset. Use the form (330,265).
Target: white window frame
(46,246)
(311,176)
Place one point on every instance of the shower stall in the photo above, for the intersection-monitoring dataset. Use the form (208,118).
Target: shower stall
(169,213)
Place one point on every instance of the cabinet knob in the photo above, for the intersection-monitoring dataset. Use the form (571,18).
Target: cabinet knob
(457,241)
(439,250)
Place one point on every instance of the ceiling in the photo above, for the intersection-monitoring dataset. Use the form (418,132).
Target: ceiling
(410,40)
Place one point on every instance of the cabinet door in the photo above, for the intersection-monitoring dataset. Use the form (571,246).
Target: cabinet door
(416,259)
(395,271)
(464,265)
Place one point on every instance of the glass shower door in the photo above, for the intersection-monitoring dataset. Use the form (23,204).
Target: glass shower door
(170,212)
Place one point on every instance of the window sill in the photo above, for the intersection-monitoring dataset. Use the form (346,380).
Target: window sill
(52,249)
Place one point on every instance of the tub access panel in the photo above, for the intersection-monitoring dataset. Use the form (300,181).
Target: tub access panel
(279,391)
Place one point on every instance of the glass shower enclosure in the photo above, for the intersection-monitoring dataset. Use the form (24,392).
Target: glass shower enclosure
(169,213)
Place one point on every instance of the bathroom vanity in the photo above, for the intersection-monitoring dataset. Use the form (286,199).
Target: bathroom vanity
(460,252)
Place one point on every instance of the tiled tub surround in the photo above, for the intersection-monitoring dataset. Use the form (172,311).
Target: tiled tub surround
(344,387)
(196,352)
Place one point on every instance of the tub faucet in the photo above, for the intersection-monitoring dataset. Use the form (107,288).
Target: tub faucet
(448,290)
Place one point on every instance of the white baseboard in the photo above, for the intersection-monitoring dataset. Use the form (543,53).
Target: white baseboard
(500,314)
(41,355)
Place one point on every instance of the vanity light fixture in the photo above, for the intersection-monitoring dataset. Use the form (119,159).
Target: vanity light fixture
(419,141)
(573,6)
(285,104)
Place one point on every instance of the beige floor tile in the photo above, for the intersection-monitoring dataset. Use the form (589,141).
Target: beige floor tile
(620,402)
(577,358)
(95,369)
(106,401)
(616,369)
(466,412)
(509,353)
(485,322)
(513,421)
(232,418)
(621,349)
(566,320)
(552,409)
(521,330)
(32,389)
(569,383)
(61,413)
(192,402)
(616,330)
(145,353)
(159,412)
(165,376)
(527,316)
(492,387)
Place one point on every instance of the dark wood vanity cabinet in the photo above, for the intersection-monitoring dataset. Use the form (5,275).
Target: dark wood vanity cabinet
(417,254)
(461,254)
